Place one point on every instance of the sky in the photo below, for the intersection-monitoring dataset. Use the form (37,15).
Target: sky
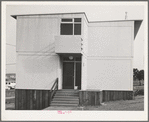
(95,12)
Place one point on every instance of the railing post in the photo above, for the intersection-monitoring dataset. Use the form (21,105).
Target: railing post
(57,83)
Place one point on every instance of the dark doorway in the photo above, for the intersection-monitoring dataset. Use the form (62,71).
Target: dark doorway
(68,75)
(71,72)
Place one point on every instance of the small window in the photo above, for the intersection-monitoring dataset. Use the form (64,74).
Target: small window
(70,26)
(66,20)
(78,58)
(77,29)
(77,19)
(66,29)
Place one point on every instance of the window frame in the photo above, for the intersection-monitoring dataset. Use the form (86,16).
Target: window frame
(73,24)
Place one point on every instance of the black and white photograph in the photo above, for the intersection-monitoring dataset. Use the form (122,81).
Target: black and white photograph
(74,61)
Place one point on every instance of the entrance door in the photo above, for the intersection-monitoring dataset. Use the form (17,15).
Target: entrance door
(68,75)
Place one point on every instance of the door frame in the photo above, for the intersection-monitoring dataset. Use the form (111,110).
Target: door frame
(74,61)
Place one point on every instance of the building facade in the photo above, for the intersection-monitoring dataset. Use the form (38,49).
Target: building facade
(93,57)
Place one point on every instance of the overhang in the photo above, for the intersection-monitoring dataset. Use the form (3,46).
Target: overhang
(137,24)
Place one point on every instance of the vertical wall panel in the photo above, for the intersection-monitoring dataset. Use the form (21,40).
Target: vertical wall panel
(31,99)
(16,99)
(28,99)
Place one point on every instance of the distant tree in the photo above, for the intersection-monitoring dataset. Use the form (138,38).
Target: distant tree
(141,75)
(135,73)
(138,75)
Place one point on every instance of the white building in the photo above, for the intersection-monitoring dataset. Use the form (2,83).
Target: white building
(94,57)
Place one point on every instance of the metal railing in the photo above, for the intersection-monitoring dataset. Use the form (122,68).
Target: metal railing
(54,88)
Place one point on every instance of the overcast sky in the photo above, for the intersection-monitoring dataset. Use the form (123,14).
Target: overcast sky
(94,12)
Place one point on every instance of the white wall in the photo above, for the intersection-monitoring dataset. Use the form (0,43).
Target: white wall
(109,74)
(84,53)
(36,34)
(37,63)
(110,41)
(84,76)
(109,58)
(36,71)
(67,44)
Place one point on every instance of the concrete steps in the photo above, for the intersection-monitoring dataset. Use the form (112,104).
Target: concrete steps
(68,98)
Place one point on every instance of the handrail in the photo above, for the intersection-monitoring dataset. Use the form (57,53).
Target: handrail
(54,88)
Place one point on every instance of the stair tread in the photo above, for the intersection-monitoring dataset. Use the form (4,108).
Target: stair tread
(54,104)
(65,98)
(65,101)
(67,92)
(66,95)
(68,98)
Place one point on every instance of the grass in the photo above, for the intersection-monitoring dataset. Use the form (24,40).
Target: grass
(131,105)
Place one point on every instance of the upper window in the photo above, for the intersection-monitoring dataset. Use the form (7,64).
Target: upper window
(70,26)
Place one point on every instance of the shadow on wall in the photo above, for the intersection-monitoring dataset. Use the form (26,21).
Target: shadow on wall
(36,69)
(48,49)
(36,62)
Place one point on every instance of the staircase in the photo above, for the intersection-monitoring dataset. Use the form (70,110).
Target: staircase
(66,98)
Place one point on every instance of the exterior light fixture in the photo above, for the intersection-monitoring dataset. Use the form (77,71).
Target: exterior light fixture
(70,57)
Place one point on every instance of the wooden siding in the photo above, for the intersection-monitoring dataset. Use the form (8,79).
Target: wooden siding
(94,98)
(117,95)
(89,98)
(28,99)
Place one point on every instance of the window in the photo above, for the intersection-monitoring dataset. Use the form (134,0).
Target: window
(70,26)
(66,29)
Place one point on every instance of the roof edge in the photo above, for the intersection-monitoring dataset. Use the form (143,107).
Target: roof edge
(15,16)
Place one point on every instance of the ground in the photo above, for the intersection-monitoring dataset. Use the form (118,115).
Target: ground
(131,105)
(10,99)
(137,104)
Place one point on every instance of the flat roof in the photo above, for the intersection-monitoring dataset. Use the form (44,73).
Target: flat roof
(15,17)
